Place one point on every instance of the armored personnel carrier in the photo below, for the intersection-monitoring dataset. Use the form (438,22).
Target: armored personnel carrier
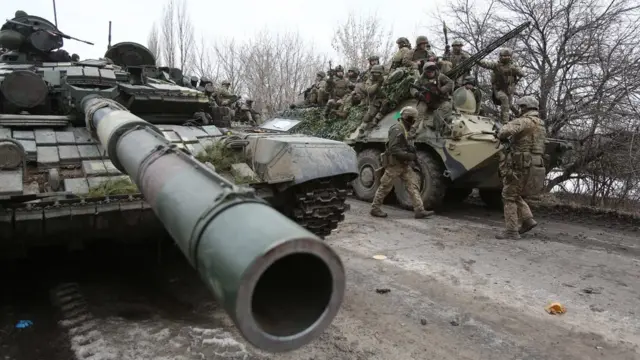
(453,158)
(58,184)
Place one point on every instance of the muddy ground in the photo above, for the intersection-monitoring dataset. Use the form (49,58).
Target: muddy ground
(455,292)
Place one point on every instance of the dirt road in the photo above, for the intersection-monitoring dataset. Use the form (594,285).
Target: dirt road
(454,292)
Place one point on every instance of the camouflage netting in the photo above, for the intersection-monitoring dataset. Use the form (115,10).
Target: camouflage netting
(315,124)
(220,156)
(113,187)
(399,90)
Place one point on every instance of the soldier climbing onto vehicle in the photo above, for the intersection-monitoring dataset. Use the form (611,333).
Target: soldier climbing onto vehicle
(521,167)
(422,52)
(373,60)
(433,92)
(397,162)
(504,78)
(469,82)
(456,57)
(402,57)
(375,99)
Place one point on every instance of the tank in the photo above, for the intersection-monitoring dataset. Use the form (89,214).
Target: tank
(58,185)
(453,159)
(78,163)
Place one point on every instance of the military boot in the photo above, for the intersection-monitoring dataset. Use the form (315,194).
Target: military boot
(527,225)
(421,214)
(377,212)
(508,234)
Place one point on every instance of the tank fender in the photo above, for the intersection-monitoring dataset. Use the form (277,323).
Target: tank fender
(298,159)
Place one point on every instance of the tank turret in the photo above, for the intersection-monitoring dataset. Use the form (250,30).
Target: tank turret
(280,284)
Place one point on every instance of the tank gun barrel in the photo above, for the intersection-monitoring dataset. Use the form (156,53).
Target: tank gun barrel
(467,64)
(280,284)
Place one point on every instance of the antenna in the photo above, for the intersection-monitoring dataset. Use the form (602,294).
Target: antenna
(55,14)
(109,44)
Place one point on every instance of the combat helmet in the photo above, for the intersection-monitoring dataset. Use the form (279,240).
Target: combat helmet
(321,74)
(204,80)
(528,102)
(469,80)
(430,65)
(505,54)
(338,69)
(377,69)
(225,82)
(422,40)
(373,58)
(354,70)
(409,111)
(403,41)
(457,42)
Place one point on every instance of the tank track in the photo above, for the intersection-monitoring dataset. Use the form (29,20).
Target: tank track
(320,204)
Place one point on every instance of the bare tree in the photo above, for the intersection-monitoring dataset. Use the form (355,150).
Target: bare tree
(204,61)
(360,37)
(168,34)
(185,35)
(228,56)
(582,63)
(153,42)
(278,67)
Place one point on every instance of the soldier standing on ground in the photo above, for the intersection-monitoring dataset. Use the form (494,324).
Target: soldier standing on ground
(526,151)
(439,88)
(399,157)
(504,78)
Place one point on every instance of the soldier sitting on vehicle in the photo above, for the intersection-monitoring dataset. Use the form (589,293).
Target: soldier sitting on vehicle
(432,90)
(397,162)
(223,96)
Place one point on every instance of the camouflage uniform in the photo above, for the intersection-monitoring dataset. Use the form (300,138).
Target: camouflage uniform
(399,157)
(422,52)
(376,97)
(441,87)
(337,86)
(402,57)
(470,83)
(353,75)
(346,104)
(312,98)
(456,57)
(522,167)
(373,60)
(503,80)
(223,96)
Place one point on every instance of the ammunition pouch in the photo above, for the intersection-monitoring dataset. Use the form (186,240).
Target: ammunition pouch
(384,159)
(536,175)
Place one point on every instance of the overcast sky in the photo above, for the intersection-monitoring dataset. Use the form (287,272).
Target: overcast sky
(132,19)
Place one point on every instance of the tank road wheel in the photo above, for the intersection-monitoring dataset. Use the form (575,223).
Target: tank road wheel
(433,184)
(491,197)
(366,184)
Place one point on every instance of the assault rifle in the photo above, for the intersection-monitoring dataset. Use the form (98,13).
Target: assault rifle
(447,48)
(428,93)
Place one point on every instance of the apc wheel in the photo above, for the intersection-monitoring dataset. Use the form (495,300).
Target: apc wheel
(366,184)
(492,198)
(456,195)
(433,184)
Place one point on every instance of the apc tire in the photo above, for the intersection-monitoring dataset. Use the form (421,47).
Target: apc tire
(366,184)
(456,195)
(433,184)
(492,198)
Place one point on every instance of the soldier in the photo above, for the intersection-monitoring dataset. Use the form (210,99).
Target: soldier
(255,114)
(422,52)
(373,60)
(337,86)
(432,90)
(346,104)
(402,57)
(397,161)
(223,96)
(353,75)
(469,82)
(504,78)
(375,97)
(526,151)
(456,57)
(311,94)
